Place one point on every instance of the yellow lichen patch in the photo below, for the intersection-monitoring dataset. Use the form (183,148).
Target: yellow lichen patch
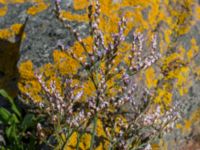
(85,141)
(122,54)
(57,83)
(167,35)
(89,89)
(26,70)
(171,58)
(71,143)
(155,15)
(196,72)
(48,70)
(3,11)
(82,52)
(164,96)
(74,17)
(118,121)
(193,50)
(99,130)
(151,80)
(5,34)
(175,67)
(187,125)
(143,3)
(101,133)
(198,12)
(39,7)
(16,28)
(65,64)
(83,144)
(99,147)
(80,4)
(181,76)
(12,31)
(109,26)
(28,84)
(195,117)
(155,146)
(3,1)
(16,1)
(110,14)
(183,83)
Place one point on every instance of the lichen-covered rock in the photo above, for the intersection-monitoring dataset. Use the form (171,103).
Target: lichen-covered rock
(177,23)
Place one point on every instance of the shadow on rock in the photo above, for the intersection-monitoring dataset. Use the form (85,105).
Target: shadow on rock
(9,56)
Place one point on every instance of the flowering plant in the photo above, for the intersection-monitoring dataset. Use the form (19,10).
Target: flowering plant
(96,94)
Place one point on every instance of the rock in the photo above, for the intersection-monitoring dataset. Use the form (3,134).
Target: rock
(44,34)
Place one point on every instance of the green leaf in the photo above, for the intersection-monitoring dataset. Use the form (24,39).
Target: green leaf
(4,94)
(11,132)
(4,115)
(13,119)
(13,106)
(28,121)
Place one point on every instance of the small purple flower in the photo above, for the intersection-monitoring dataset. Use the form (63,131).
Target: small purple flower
(58,1)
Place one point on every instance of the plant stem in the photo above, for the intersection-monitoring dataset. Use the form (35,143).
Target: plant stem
(93,131)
